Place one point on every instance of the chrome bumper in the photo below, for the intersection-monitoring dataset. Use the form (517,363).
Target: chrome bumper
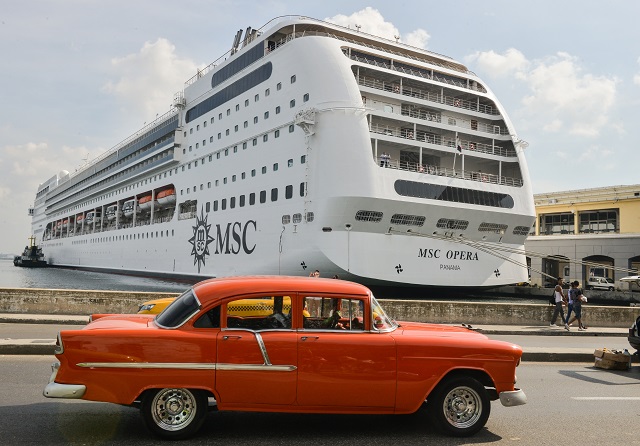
(56,390)
(513,398)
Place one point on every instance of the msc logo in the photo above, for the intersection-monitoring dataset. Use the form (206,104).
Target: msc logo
(233,238)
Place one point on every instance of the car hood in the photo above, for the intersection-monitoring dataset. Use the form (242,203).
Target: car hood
(120,321)
(440,330)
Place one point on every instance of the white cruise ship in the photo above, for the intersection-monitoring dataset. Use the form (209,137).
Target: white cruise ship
(307,146)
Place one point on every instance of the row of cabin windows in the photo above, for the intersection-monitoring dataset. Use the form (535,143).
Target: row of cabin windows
(261,196)
(254,141)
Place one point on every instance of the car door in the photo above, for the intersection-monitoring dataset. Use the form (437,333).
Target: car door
(340,364)
(256,352)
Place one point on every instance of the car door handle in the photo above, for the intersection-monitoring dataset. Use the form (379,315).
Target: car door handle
(224,338)
(304,338)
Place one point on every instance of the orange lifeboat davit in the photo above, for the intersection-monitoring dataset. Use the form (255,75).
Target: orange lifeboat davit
(166,197)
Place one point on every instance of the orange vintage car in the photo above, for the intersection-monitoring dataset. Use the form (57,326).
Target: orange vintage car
(336,351)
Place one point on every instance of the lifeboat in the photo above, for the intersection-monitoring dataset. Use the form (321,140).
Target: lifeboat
(112,212)
(129,207)
(166,197)
(145,203)
(91,217)
(79,219)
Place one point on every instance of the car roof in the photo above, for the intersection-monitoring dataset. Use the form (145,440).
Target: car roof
(231,286)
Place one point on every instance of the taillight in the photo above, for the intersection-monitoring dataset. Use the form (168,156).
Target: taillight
(59,347)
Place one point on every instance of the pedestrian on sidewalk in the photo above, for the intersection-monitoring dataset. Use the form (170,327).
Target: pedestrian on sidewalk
(577,306)
(571,295)
(560,301)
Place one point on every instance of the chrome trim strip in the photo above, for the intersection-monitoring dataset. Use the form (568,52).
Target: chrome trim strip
(263,348)
(187,366)
(513,398)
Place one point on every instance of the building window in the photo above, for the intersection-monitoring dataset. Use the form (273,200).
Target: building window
(561,223)
(594,222)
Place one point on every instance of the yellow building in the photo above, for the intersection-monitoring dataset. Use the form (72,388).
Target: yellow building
(586,233)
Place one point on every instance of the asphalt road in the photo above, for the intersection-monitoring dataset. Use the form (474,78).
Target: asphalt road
(569,404)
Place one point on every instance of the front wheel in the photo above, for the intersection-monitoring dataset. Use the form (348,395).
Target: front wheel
(610,288)
(459,406)
(174,413)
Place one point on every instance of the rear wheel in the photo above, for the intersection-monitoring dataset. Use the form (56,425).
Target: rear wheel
(459,406)
(174,413)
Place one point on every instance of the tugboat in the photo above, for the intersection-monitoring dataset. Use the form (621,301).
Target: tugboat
(32,256)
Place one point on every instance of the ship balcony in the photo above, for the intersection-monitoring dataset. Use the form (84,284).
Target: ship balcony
(403,87)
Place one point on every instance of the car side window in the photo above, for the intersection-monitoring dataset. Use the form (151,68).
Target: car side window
(322,313)
(210,319)
(260,313)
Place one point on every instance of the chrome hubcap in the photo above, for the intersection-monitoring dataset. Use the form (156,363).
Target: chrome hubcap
(173,409)
(462,407)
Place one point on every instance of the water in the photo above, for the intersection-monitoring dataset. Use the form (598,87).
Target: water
(70,279)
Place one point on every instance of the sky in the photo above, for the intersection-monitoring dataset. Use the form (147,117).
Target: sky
(79,76)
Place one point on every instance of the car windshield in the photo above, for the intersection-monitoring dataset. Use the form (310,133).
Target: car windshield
(380,320)
(179,311)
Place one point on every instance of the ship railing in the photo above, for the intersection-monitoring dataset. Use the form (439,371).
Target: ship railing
(451,173)
(421,136)
(394,87)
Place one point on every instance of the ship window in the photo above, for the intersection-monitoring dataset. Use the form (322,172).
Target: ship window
(233,178)
(212,119)
(286,219)
(265,137)
(235,129)
(309,216)
(215,205)
(450,193)
(226,152)
(223,204)
(293,79)
(218,155)
(297,218)
(256,98)
(210,157)
(263,196)
(208,207)
(255,141)
(267,92)
(228,111)
(219,116)
(244,145)
(388,109)
(183,152)
(305,98)
(232,202)
(521,230)
(242,201)
(201,186)
(217,183)
(496,228)
(288,192)
(252,199)
(243,175)
(372,216)
(237,107)
(204,142)
(449,223)
(235,149)
(253,172)
(292,103)
(209,184)
(183,168)
(303,159)
(407,220)
(198,127)
(266,115)
(219,135)
(302,189)
(279,86)
(196,163)
(255,119)
(211,139)
(291,128)
(274,194)
(276,134)
(191,130)
(224,181)
(197,146)
(226,133)
(264,169)
(185,134)
(290,162)
(275,167)
(246,102)
(246,124)
(277,110)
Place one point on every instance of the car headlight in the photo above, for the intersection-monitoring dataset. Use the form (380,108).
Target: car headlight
(146,307)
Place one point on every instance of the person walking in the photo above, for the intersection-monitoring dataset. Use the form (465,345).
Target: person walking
(571,295)
(577,306)
(560,299)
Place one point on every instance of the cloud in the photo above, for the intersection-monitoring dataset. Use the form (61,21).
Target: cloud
(145,81)
(511,63)
(561,98)
(372,22)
